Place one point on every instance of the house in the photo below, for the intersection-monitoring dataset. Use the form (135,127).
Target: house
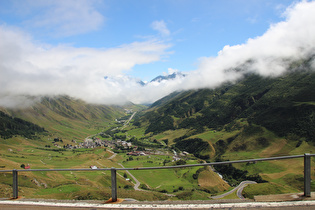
(93,167)
(133,153)
(175,158)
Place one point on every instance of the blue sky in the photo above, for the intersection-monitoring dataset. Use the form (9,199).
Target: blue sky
(196,28)
(63,43)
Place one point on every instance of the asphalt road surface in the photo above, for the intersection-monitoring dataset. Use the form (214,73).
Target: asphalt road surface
(239,189)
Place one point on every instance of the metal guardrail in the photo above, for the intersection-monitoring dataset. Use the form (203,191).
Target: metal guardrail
(307,171)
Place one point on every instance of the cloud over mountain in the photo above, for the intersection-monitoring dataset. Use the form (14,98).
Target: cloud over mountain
(267,55)
(29,68)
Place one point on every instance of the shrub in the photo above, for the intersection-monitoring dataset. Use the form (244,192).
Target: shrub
(163,191)
(127,187)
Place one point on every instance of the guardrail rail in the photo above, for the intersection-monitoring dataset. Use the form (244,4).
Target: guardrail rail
(306,156)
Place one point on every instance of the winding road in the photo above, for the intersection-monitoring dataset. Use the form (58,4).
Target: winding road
(136,187)
(111,157)
(239,189)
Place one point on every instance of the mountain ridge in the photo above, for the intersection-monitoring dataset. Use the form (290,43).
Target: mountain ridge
(168,77)
(283,105)
(52,112)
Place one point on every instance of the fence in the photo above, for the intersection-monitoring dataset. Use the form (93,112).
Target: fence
(307,172)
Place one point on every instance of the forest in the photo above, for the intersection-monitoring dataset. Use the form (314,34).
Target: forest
(11,126)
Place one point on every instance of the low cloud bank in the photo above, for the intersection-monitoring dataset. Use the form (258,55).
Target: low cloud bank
(28,68)
(267,55)
(98,75)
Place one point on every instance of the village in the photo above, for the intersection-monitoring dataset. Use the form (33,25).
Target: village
(119,144)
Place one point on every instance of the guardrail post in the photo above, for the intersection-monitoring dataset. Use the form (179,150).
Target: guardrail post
(114,185)
(307,175)
(15,184)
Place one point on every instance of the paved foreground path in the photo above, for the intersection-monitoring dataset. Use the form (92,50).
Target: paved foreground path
(31,205)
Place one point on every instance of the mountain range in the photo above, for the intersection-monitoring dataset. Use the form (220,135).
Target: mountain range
(251,106)
(284,105)
(252,117)
(168,77)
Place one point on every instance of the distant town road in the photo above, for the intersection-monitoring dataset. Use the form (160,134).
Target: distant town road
(111,157)
(128,121)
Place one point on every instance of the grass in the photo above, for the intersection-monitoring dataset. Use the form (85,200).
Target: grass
(266,167)
(264,189)
(283,176)
(231,196)
(212,136)
(240,155)
(305,147)
(171,135)
(137,132)
(211,181)
(73,185)
(156,179)
(70,188)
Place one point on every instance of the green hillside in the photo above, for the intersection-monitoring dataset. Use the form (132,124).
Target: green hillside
(284,105)
(66,117)
(251,118)
(10,126)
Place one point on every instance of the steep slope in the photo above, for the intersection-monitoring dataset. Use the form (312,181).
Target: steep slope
(67,117)
(10,127)
(284,105)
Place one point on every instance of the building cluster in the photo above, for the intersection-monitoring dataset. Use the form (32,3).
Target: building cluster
(90,143)
(138,153)
(177,156)
(129,111)
(120,144)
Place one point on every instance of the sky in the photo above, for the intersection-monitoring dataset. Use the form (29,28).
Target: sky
(98,50)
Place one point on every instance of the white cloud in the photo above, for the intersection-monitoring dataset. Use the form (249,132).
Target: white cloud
(266,55)
(161,27)
(28,68)
(172,71)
